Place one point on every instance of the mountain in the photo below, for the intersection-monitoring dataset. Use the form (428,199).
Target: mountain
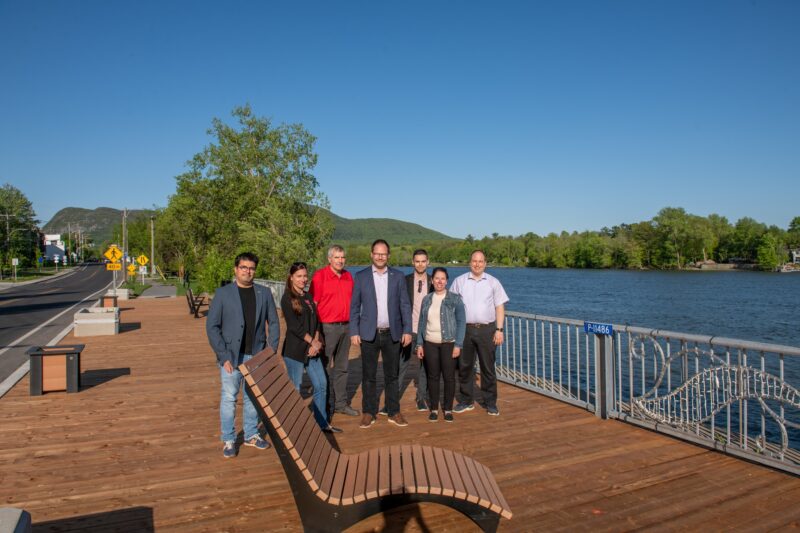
(97,223)
(366,230)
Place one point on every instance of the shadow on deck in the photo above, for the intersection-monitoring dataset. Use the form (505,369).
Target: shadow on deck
(139,451)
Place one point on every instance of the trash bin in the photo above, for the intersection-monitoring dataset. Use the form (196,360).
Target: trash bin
(55,368)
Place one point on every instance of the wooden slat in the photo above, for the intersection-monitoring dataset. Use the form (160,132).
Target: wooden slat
(374,474)
(261,374)
(339,478)
(384,472)
(265,376)
(353,466)
(304,441)
(484,498)
(469,486)
(327,478)
(287,414)
(276,386)
(445,480)
(307,452)
(360,487)
(421,478)
(259,361)
(301,420)
(459,488)
(322,450)
(431,472)
(505,508)
(409,483)
(396,470)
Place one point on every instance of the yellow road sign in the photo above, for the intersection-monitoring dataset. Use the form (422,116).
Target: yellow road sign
(113,266)
(113,254)
(132,269)
(142,260)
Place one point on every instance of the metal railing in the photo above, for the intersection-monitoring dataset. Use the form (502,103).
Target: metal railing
(731,395)
(277,288)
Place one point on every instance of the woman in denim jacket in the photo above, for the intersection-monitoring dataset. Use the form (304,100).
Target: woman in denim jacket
(440,337)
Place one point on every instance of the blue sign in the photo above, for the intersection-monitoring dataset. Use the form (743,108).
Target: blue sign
(41,259)
(597,328)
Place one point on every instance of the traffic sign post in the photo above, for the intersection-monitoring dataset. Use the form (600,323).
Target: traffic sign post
(113,254)
(14,263)
(142,260)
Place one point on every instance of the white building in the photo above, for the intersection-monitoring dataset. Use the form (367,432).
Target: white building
(53,246)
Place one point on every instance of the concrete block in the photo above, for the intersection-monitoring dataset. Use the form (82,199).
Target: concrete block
(92,321)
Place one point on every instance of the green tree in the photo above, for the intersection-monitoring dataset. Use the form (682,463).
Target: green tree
(18,233)
(767,252)
(252,188)
(745,239)
(793,234)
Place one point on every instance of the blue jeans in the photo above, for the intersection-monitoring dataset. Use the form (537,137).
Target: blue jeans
(231,384)
(316,372)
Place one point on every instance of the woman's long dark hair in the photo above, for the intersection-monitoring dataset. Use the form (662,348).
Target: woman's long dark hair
(297,307)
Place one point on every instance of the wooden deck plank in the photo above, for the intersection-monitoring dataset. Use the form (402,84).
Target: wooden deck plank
(136,441)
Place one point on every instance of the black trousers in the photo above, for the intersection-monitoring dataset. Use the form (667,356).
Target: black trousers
(478,341)
(390,353)
(439,362)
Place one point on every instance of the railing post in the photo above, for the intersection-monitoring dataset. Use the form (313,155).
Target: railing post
(603,375)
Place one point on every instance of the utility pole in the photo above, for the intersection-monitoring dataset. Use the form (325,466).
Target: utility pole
(152,247)
(124,241)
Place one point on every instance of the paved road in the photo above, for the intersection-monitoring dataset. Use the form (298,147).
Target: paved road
(25,308)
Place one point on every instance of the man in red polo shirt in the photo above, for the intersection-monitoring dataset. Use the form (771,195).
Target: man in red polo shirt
(332,289)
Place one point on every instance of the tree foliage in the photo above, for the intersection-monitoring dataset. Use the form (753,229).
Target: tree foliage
(18,234)
(673,239)
(252,188)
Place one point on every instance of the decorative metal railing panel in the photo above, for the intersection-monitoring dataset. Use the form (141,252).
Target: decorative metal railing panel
(736,396)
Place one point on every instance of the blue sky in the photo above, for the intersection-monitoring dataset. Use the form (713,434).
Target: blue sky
(465,117)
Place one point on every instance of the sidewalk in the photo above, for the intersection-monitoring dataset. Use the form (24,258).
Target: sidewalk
(6,284)
(159,289)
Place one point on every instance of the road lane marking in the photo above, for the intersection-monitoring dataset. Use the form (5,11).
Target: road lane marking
(40,326)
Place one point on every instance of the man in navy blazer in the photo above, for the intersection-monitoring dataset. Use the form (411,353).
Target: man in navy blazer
(236,325)
(380,322)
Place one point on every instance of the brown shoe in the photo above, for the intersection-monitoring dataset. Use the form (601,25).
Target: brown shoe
(366,420)
(398,420)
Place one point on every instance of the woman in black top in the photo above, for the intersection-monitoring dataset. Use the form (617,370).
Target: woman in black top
(303,346)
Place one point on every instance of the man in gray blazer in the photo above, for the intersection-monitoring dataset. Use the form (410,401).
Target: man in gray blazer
(237,329)
(380,322)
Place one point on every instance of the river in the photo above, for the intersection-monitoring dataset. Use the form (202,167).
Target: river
(752,306)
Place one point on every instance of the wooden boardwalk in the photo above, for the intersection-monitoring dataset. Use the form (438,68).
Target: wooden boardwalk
(137,450)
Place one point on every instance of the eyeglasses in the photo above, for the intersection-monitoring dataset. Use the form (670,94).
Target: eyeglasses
(246,268)
(419,286)
(380,255)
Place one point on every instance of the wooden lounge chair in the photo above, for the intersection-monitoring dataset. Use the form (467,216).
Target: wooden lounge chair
(335,490)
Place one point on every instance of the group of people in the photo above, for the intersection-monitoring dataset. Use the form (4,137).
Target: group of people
(379,309)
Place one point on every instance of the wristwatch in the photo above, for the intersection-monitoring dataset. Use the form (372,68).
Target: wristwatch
(500,330)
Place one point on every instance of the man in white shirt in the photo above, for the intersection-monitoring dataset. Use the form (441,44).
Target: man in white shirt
(484,301)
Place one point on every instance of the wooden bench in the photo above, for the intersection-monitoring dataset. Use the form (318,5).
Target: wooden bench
(335,490)
(195,302)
